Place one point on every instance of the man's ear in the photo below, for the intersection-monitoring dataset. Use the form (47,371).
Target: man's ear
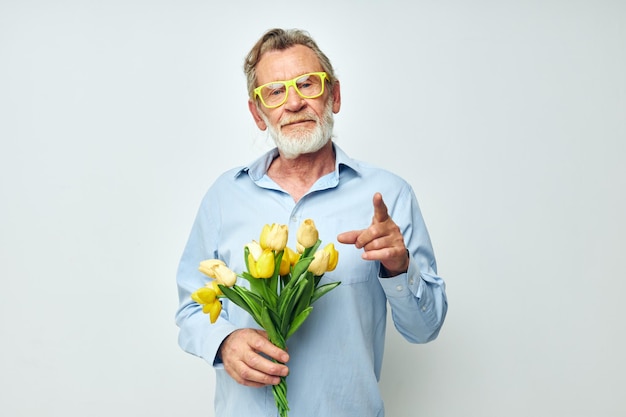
(254,110)
(336,97)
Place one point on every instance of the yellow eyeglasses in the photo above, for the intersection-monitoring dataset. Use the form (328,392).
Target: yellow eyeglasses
(274,94)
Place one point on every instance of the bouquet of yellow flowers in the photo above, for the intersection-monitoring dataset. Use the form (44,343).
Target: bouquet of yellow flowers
(283,285)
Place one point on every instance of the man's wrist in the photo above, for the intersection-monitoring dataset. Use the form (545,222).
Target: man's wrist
(386,273)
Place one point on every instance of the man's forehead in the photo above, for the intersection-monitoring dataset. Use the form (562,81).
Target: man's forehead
(278,65)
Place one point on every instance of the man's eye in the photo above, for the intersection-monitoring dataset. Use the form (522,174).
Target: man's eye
(275,90)
(305,85)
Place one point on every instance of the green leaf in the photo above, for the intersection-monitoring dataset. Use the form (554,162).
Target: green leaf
(247,276)
(287,293)
(294,296)
(311,251)
(283,299)
(305,298)
(323,289)
(233,295)
(276,277)
(301,267)
(318,278)
(246,251)
(298,320)
(267,324)
(257,286)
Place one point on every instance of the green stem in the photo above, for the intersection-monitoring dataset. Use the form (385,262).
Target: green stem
(280,397)
(280,390)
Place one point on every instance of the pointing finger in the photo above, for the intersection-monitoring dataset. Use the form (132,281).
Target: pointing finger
(348,237)
(380,209)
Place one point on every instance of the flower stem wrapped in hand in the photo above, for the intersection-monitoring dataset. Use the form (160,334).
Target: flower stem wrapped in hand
(283,285)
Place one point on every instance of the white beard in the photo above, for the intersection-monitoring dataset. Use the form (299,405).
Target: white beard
(303,141)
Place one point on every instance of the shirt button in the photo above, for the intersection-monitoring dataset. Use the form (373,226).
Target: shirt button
(423,308)
(294,219)
(411,281)
(399,288)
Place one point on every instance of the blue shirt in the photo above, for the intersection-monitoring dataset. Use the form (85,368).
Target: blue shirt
(336,356)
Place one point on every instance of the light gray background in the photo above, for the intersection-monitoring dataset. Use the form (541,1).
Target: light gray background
(507,117)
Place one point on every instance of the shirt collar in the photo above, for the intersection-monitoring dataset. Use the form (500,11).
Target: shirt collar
(258,168)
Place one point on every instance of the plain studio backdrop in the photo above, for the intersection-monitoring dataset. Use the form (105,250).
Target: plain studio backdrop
(507,117)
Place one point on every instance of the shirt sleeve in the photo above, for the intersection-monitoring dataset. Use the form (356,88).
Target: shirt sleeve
(418,304)
(196,333)
(417,298)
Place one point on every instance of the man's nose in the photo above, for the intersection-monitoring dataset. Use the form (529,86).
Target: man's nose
(294,101)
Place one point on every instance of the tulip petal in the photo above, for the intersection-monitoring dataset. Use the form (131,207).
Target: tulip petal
(214,311)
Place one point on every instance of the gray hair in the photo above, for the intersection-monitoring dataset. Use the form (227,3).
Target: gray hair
(279,40)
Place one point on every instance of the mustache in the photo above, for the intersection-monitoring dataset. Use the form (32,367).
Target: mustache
(298,118)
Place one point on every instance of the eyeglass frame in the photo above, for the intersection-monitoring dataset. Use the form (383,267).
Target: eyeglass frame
(292,83)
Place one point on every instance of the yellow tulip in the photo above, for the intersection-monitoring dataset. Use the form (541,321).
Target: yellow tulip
(204,295)
(307,234)
(262,267)
(206,308)
(211,305)
(333,257)
(319,265)
(293,256)
(299,247)
(285,266)
(274,237)
(252,265)
(265,264)
(208,267)
(290,258)
(225,276)
(214,287)
(215,310)
(255,249)
(217,269)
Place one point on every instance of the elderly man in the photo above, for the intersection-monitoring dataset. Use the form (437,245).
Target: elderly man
(334,360)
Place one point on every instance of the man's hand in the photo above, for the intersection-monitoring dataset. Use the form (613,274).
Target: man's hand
(241,354)
(381,241)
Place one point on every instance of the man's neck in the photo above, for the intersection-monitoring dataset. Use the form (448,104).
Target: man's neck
(297,176)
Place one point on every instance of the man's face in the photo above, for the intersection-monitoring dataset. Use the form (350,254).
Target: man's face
(300,125)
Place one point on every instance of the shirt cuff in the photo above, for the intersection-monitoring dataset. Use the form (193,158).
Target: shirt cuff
(403,285)
(214,344)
